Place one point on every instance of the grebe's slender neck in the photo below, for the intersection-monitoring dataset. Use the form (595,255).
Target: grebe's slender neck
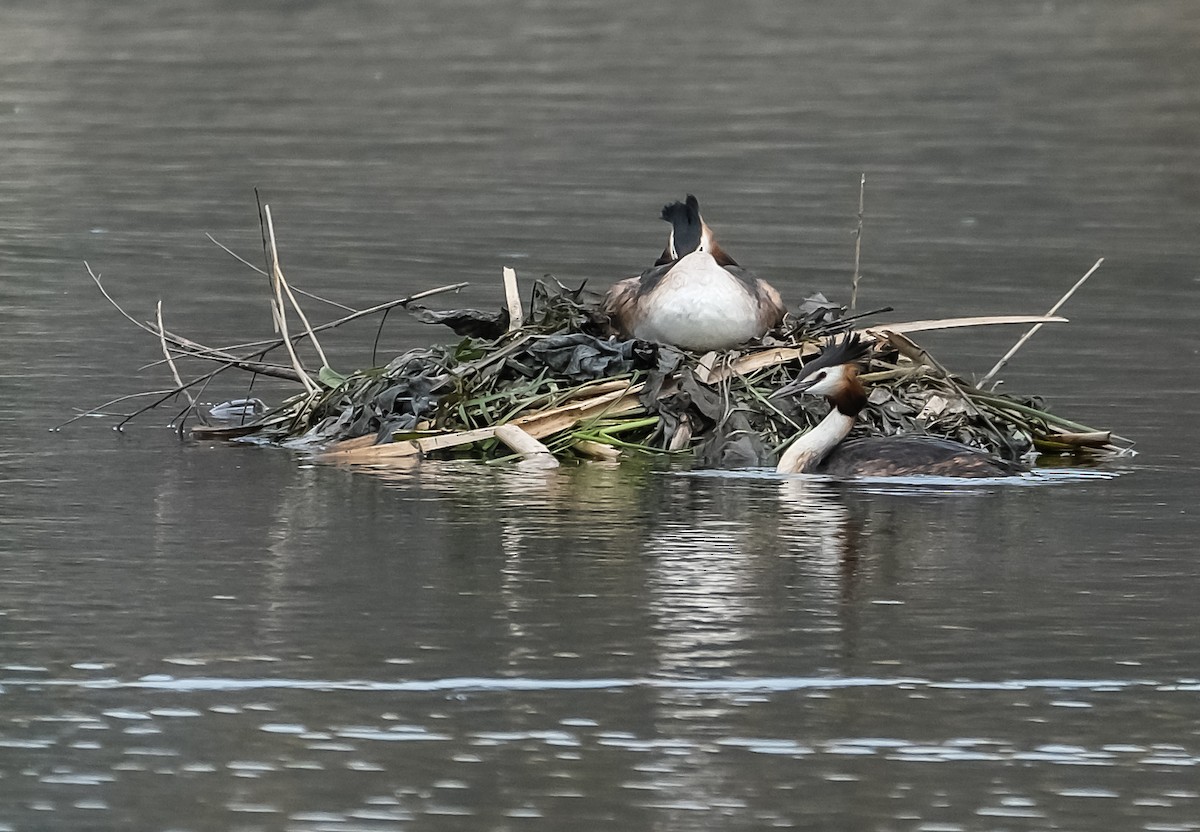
(807,453)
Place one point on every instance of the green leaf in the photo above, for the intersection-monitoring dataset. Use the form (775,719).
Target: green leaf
(330,377)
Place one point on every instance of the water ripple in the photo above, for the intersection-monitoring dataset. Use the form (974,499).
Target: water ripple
(479,684)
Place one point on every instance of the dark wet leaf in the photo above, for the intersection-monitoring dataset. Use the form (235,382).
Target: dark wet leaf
(733,444)
(580,357)
(473,323)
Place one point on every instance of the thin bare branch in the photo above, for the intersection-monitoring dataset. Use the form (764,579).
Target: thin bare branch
(97,410)
(96,279)
(862,187)
(162,339)
(1033,329)
(235,255)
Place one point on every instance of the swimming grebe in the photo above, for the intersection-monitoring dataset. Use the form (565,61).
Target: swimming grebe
(695,296)
(834,375)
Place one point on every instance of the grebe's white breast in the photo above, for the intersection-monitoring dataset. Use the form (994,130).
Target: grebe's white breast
(698,305)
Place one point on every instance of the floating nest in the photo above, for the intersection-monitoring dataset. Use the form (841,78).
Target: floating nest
(544,381)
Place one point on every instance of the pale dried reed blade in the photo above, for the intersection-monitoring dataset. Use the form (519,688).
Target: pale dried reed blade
(512,300)
(596,450)
(369,453)
(961,323)
(538,425)
(532,452)
(707,367)
(312,336)
(278,309)
(761,360)
(1094,439)
(162,339)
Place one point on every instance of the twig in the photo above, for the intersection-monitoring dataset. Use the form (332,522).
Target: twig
(862,187)
(162,339)
(915,352)
(848,319)
(279,310)
(194,350)
(167,395)
(235,255)
(378,334)
(200,351)
(96,411)
(295,289)
(96,279)
(291,297)
(754,391)
(208,354)
(247,362)
(269,345)
(228,360)
(1033,329)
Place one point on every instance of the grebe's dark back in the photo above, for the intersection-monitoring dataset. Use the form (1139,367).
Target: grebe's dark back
(834,374)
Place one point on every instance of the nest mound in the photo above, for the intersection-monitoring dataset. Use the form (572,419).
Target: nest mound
(551,383)
(560,379)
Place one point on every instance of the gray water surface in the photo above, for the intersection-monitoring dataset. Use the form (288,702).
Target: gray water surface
(209,636)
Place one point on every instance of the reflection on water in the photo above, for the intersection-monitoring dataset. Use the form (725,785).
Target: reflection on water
(387,751)
(457,641)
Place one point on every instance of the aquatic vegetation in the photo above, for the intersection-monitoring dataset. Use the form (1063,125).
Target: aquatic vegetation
(543,379)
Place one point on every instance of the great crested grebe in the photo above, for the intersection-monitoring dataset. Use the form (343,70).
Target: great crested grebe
(834,374)
(695,296)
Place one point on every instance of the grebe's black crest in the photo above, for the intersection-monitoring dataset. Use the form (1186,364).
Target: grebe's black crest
(850,350)
(685,225)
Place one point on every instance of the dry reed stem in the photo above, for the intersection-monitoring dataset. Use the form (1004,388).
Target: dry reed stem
(279,311)
(512,299)
(760,360)
(1093,439)
(538,425)
(862,187)
(195,350)
(597,450)
(292,298)
(532,452)
(164,395)
(246,362)
(162,339)
(269,345)
(879,330)
(1032,330)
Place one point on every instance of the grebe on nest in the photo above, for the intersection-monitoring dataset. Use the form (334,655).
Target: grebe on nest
(834,374)
(695,296)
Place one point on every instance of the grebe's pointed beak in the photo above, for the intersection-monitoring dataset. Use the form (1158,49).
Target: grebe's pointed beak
(794,388)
